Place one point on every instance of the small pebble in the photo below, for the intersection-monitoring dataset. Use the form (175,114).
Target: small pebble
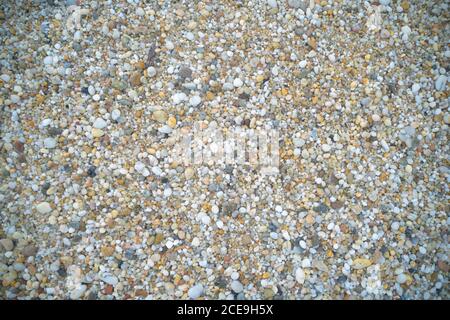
(196,291)
(236,286)
(43,207)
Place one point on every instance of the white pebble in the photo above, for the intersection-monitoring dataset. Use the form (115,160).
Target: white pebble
(167,192)
(415,88)
(5,77)
(110,279)
(140,12)
(196,242)
(300,275)
(157,171)
(272,3)
(115,114)
(43,207)
(48,60)
(306,263)
(15,98)
(99,123)
(395,225)
(179,97)
(195,101)
(376,118)
(326,148)
(440,83)
(196,291)
(151,71)
(169,45)
(237,83)
(236,286)
(49,143)
(401,278)
(78,292)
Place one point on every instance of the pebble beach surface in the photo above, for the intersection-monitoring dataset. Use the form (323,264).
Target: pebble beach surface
(93,206)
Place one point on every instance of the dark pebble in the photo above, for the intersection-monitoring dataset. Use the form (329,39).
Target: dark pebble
(92,171)
(85,90)
(62,272)
(321,208)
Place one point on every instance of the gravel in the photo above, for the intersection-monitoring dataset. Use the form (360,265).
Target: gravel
(96,202)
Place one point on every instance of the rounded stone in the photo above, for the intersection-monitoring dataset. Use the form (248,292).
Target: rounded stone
(49,143)
(44,207)
(236,286)
(196,291)
(99,123)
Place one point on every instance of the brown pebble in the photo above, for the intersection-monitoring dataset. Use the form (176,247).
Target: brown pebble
(19,146)
(312,43)
(310,219)
(140,65)
(337,204)
(29,251)
(107,251)
(135,79)
(109,289)
(141,293)
(443,266)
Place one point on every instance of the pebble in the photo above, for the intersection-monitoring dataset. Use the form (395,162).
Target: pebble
(402,278)
(5,78)
(15,98)
(196,291)
(99,123)
(326,148)
(395,225)
(115,115)
(159,116)
(300,276)
(50,143)
(415,88)
(172,122)
(7,244)
(110,279)
(179,97)
(272,3)
(189,173)
(169,45)
(440,83)
(236,286)
(196,242)
(140,12)
(48,60)
(185,72)
(29,251)
(295,3)
(237,82)
(195,101)
(306,263)
(135,79)
(151,71)
(44,208)
(361,263)
(78,292)
(97,133)
(376,118)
